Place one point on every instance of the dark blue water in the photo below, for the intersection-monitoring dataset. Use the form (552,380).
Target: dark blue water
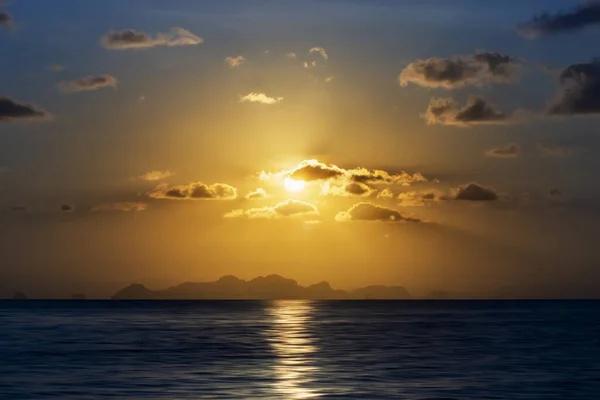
(300,349)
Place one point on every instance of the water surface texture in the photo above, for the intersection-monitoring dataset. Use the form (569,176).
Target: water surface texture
(300,349)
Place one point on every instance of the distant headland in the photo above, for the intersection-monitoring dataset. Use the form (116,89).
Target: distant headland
(270,287)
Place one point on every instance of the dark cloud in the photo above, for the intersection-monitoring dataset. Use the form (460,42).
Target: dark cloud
(66,208)
(312,171)
(547,24)
(11,110)
(288,208)
(458,71)
(372,212)
(474,192)
(580,90)
(88,83)
(194,191)
(477,111)
(511,150)
(21,209)
(358,189)
(553,150)
(5,19)
(4,168)
(132,39)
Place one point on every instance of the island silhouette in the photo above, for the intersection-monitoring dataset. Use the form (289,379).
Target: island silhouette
(270,287)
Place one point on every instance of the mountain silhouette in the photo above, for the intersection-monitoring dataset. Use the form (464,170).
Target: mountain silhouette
(270,287)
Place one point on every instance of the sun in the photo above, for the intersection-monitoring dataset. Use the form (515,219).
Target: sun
(293,185)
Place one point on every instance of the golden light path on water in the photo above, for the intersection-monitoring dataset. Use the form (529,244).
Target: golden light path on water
(294,346)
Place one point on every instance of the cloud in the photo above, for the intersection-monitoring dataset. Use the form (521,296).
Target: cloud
(372,212)
(474,192)
(20,209)
(11,110)
(319,50)
(66,208)
(259,98)
(288,208)
(385,194)
(346,189)
(477,111)
(461,70)
(259,193)
(580,90)
(4,168)
(313,170)
(119,206)
(418,199)
(5,19)
(132,39)
(155,175)
(235,62)
(553,150)
(510,150)
(576,19)
(194,191)
(88,83)
(328,79)
(291,55)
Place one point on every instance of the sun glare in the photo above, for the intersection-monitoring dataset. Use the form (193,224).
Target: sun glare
(293,185)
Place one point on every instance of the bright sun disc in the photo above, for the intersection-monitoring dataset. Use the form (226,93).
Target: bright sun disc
(293,185)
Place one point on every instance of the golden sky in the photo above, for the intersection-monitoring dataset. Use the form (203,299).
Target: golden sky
(352,142)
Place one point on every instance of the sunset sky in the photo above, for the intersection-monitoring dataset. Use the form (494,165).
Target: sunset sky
(430,144)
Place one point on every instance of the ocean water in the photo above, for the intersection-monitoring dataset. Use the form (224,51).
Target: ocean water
(300,349)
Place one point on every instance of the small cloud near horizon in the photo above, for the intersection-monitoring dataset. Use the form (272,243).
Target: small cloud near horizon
(119,206)
(155,175)
(261,98)
(372,212)
(285,209)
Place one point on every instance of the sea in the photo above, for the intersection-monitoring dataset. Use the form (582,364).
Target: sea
(507,350)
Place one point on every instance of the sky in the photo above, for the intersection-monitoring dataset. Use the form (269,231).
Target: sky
(430,144)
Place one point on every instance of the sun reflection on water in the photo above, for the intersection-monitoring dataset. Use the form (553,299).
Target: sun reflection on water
(295,348)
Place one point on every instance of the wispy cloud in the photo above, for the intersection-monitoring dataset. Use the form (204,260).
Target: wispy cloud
(510,150)
(259,98)
(132,39)
(119,206)
(155,175)
(259,193)
(88,83)
(575,19)
(319,50)
(285,209)
(553,150)
(235,62)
